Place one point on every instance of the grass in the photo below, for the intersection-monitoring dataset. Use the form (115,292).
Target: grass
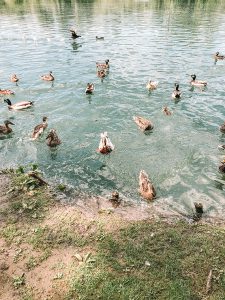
(155,261)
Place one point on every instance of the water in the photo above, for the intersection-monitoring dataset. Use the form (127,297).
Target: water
(161,40)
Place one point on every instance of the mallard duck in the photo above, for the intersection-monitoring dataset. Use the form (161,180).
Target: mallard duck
(5,129)
(166,111)
(146,188)
(48,77)
(52,139)
(143,123)
(221,147)
(195,82)
(217,56)
(14,78)
(6,92)
(39,129)
(90,88)
(176,93)
(222,127)
(151,85)
(105,145)
(103,65)
(99,37)
(73,34)
(18,105)
(101,74)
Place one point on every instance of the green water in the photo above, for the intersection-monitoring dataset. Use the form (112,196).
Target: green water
(161,40)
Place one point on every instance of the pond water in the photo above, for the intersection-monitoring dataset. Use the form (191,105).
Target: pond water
(162,40)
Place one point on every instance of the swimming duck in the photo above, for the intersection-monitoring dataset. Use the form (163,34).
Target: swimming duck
(14,78)
(5,129)
(90,88)
(73,34)
(221,147)
(176,93)
(52,139)
(151,85)
(146,188)
(166,111)
(195,82)
(6,92)
(143,123)
(18,105)
(217,56)
(39,129)
(103,65)
(222,127)
(105,145)
(48,77)
(101,74)
(99,37)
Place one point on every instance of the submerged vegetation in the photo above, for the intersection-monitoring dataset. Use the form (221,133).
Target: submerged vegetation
(104,257)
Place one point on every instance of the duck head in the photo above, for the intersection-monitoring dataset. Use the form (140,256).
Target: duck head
(8,101)
(193,76)
(177,86)
(217,53)
(7,122)
(107,61)
(44,119)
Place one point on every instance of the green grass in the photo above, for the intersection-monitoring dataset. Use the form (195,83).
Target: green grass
(155,261)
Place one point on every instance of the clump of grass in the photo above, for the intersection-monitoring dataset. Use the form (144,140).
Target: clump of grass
(154,261)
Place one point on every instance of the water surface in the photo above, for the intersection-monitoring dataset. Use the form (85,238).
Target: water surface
(162,40)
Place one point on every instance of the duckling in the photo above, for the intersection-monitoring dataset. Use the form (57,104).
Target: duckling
(176,93)
(146,188)
(151,85)
(53,139)
(143,123)
(90,88)
(198,83)
(6,92)
(39,129)
(105,145)
(101,74)
(99,37)
(166,111)
(73,34)
(217,56)
(14,78)
(102,65)
(48,77)
(18,105)
(222,127)
(5,129)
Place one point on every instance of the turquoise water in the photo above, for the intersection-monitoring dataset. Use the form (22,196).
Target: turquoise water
(162,40)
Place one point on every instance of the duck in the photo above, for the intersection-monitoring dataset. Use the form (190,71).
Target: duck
(176,93)
(48,77)
(99,37)
(14,78)
(18,105)
(151,85)
(146,188)
(101,74)
(90,88)
(143,123)
(6,92)
(217,56)
(39,129)
(105,145)
(73,34)
(195,82)
(52,139)
(222,127)
(166,111)
(5,129)
(221,147)
(103,65)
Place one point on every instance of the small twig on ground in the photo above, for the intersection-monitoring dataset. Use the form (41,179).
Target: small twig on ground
(209,283)
(34,175)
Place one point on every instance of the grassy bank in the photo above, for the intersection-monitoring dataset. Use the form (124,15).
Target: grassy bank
(54,251)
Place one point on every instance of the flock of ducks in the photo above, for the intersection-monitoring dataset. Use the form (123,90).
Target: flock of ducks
(146,188)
